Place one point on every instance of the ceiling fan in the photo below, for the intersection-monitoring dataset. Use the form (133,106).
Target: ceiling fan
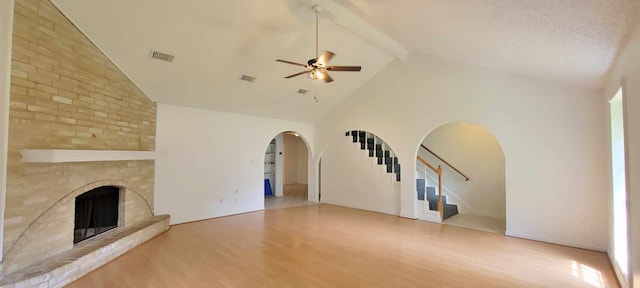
(317,68)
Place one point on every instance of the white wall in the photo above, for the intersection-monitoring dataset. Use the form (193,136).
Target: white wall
(551,135)
(303,162)
(476,153)
(628,65)
(290,153)
(351,178)
(279,165)
(210,163)
(6,30)
(295,160)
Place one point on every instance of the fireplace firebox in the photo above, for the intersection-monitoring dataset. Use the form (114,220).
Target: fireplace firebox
(96,212)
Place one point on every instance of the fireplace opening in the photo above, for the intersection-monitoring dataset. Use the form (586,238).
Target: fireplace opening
(96,212)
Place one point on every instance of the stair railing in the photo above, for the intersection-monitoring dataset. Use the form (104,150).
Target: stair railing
(439,172)
(466,178)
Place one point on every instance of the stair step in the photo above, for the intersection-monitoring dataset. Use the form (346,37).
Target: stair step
(383,157)
(420,185)
(371,143)
(431,192)
(435,198)
(450,210)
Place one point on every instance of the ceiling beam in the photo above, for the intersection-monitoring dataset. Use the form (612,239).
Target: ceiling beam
(356,25)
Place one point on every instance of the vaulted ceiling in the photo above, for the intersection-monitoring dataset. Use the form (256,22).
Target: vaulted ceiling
(217,41)
(571,41)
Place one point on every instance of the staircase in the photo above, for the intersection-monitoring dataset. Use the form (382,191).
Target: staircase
(431,197)
(378,149)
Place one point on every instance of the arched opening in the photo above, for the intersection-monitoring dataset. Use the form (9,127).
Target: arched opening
(460,178)
(286,163)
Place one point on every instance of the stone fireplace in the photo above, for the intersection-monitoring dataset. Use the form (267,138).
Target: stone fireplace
(66,95)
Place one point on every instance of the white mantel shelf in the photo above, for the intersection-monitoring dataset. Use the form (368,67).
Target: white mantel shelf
(65,155)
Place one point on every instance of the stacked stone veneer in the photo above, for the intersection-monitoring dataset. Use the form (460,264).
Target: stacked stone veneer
(65,94)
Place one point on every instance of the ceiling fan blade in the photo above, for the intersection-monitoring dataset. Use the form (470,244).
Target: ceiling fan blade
(326,77)
(292,63)
(297,74)
(344,68)
(325,57)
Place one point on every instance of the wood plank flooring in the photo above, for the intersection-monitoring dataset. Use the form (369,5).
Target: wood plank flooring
(331,246)
(293,195)
(478,223)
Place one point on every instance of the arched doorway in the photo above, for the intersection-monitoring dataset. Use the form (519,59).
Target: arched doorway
(286,165)
(460,173)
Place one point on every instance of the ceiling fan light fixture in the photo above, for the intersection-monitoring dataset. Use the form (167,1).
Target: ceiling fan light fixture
(317,67)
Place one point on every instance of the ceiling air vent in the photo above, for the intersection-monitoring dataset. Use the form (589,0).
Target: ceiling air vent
(247,78)
(302,91)
(161,56)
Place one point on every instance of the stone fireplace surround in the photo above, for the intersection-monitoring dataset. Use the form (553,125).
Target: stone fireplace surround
(65,263)
(67,98)
(43,253)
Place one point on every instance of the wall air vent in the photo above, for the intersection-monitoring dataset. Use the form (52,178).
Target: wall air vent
(161,56)
(247,78)
(302,91)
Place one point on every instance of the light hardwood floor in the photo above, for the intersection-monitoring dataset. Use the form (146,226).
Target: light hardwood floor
(478,223)
(293,195)
(331,246)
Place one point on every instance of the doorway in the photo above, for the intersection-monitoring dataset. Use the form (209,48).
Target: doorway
(460,174)
(286,171)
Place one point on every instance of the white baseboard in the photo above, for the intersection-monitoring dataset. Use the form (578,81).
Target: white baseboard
(551,241)
(408,216)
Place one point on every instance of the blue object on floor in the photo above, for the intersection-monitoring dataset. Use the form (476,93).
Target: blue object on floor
(267,188)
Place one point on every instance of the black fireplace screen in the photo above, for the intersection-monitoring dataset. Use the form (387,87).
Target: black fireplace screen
(96,212)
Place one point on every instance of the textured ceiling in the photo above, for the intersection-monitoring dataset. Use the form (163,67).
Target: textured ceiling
(215,42)
(572,41)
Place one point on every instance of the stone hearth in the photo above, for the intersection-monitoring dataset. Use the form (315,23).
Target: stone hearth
(63,268)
